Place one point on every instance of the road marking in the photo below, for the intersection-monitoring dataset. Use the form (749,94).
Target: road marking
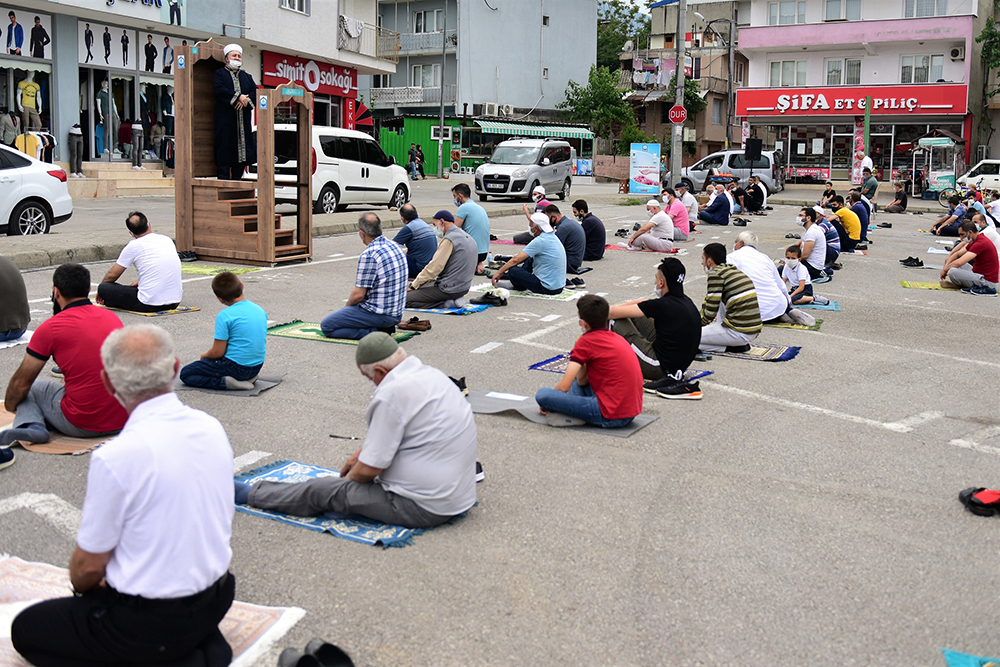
(549,318)
(920,419)
(483,349)
(63,516)
(972,441)
(529,338)
(339,254)
(602,294)
(978,362)
(246,460)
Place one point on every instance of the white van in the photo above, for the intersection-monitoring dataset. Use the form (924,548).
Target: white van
(348,167)
(986,174)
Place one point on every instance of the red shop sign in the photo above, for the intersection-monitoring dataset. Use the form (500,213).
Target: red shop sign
(315,77)
(930,99)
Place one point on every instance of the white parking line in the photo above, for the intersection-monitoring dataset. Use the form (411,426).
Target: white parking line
(929,353)
(483,349)
(549,318)
(972,441)
(63,516)
(246,460)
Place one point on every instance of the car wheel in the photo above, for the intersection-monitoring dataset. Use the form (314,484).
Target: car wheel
(29,217)
(328,200)
(564,195)
(398,197)
(483,197)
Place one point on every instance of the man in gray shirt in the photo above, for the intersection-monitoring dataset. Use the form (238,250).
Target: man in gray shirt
(15,314)
(417,467)
(448,276)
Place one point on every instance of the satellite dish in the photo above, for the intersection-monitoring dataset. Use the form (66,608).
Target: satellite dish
(628,46)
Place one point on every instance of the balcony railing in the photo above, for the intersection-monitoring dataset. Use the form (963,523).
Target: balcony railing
(411,95)
(369,40)
(426,43)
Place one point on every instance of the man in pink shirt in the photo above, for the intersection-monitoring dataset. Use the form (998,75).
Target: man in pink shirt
(675,209)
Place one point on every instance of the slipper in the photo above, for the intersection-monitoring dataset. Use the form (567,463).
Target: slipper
(980,501)
(415,324)
(328,654)
(739,223)
(792,236)
(291,657)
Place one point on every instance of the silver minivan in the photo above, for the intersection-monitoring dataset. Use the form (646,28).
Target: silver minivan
(518,165)
(771,173)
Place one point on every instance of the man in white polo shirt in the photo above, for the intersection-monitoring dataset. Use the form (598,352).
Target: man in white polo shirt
(772,295)
(155,258)
(657,234)
(150,572)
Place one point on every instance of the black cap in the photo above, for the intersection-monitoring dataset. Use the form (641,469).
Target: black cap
(673,273)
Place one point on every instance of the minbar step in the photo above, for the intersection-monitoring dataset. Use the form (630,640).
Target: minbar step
(282,251)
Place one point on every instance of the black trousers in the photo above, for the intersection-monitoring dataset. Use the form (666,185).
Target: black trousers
(231,172)
(105,627)
(126,297)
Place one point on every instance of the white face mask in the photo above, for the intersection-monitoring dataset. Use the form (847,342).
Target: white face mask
(438,232)
(234,64)
(707,268)
(659,291)
(791,263)
(800,221)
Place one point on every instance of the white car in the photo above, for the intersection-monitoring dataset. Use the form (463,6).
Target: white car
(348,167)
(33,194)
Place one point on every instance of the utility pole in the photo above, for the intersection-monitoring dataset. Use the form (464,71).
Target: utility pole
(444,51)
(729,97)
(676,144)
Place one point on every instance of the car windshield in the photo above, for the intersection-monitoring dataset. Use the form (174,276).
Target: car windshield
(515,155)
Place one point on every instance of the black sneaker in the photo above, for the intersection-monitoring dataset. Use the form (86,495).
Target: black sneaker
(738,349)
(460,383)
(502,258)
(480,475)
(916,263)
(389,330)
(56,371)
(578,283)
(652,386)
(861,246)
(489,300)
(908,259)
(685,391)
(6,458)
(885,225)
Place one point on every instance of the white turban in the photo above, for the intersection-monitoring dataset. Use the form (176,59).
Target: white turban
(232,47)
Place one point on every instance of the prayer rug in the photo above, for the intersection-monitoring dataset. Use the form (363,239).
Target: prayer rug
(763,352)
(790,325)
(349,527)
(938,251)
(251,630)
(956,659)
(172,311)
(675,251)
(216,270)
(833,305)
(565,295)
(23,340)
(504,242)
(559,364)
(58,443)
(312,331)
(491,403)
(263,383)
(467,309)
(912,284)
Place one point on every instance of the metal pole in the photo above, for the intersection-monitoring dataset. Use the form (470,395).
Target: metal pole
(729,97)
(444,49)
(676,143)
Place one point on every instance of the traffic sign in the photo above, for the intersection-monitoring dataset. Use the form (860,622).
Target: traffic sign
(678,114)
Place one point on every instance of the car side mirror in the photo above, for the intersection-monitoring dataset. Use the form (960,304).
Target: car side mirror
(545,162)
(392,159)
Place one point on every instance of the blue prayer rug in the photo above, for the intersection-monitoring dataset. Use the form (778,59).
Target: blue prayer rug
(467,309)
(833,305)
(956,659)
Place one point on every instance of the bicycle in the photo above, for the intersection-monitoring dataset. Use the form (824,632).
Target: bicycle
(961,190)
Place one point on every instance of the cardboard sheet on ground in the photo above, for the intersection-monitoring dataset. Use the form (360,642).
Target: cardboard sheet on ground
(800,327)
(491,403)
(559,363)
(354,528)
(913,284)
(58,443)
(467,309)
(312,331)
(263,383)
(172,311)
(23,340)
(250,629)
(833,305)
(565,295)
(763,352)
(199,270)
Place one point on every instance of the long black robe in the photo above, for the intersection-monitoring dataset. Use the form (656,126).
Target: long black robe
(229,121)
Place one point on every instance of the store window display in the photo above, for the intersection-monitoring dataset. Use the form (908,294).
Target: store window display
(107,119)
(29,102)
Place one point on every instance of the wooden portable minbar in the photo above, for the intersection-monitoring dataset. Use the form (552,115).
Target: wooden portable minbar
(235,221)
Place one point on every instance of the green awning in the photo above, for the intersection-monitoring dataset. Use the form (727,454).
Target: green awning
(517,129)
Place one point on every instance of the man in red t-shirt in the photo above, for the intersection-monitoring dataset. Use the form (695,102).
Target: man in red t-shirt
(603,383)
(981,275)
(73,335)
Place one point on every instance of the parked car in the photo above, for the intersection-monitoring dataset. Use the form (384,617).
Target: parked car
(986,174)
(517,166)
(33,194)
(348,167)
(768,167)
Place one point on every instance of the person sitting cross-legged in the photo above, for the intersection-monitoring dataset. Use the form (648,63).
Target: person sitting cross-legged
(237,353)
(679,216)
(657,234)
(982,277)
(448,276)
(948,224)
(417,466)
(603,382)
(718,212)
(379,293)
(158,265)
(813,244)
(570,233)
(898,204)
(664,333)
(772,295)
(541,266)
(593,230)
(796,277)
(730,316)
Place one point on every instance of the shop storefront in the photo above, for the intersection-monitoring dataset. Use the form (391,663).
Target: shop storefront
(334,88)
(819,130)
(26,68)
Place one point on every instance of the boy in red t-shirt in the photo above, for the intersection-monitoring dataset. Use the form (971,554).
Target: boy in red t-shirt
(973,265)
(603,383)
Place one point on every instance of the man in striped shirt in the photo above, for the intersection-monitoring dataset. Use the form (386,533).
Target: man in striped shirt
(730,316)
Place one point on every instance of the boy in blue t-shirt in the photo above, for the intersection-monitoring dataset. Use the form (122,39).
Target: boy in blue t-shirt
(236,356)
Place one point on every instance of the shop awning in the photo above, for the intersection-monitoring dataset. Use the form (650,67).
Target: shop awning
(517,129)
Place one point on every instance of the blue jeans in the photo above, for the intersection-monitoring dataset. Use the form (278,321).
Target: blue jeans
(579,402)
(355,322)
(211,373)
(11,335)
(526,281)
(737,209)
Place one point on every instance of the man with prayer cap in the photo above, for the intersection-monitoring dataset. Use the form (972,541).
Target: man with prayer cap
(235,146)
(417,466)
(541,266)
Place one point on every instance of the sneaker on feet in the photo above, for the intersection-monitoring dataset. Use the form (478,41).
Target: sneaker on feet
(6,458)
(801,317)
(982,290)
(689,391)
(578,282)
(559,419)
(821,301)
(503,259)
(652,386)
(56,371)
(480,475)
(460,383)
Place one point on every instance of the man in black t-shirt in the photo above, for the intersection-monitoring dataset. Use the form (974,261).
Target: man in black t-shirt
(739,195)
(898,204)
(664,333)
(594,230)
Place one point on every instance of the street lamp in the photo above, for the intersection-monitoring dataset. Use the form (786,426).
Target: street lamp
(729,45)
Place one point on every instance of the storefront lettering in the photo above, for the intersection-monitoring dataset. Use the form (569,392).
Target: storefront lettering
(148,3)
(809,102)
(313,77)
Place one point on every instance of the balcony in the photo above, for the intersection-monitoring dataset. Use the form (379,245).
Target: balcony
(426,43)
(368,40)
(854,34)
(411,95)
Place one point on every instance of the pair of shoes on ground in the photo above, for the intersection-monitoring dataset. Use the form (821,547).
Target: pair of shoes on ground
(740,222)
(980,290)
(575,283)
(623,233)
(232,384)
(914,262)
(494,297)
(187,255)
(673,389)
(318,653)
(415,324)
(792,236)
(885,225)
(503,259)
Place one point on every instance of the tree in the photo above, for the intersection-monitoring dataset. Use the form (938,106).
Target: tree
(599,103)
(693,101)
(619,21)
(631,134)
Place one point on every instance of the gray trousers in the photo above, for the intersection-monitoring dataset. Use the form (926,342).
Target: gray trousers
(430,295)
(966,277)
(42,405)
(137,146)
(75,154)
(679,234)
(716,337)
(649,242)
(344,496)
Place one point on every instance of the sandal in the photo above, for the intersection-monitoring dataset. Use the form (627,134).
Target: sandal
(415,324)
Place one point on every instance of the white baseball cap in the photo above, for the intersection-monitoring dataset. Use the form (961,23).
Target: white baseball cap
(653,204)
(541,221)
(539,190)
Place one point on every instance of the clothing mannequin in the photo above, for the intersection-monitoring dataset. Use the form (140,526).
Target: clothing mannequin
(76,151)
(106,110)
(168,111)
(28,103)
(144,111)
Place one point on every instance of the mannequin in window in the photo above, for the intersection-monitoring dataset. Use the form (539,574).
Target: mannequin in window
(29,103)
(235,146)
(143,118)
(168,111)
(107,118)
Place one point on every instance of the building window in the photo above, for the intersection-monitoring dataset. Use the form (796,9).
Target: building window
(786,13)
(739,74)
(716,112)
(788,73)
(545,20)
(380,81)
(843,71)
(428,21)
(843,10)
(922,8)
(301,6)
(921,69)
(545,72)
(426,76)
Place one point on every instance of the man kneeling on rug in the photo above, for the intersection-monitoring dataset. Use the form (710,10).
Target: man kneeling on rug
(150,570)
(417,467)
(603,382)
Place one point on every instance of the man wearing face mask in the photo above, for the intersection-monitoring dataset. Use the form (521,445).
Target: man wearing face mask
(474,221)
(850,222)
(540,203)
(813,243)
(593,230)
(772,296)
(81,407)
(418,239)
(448,276)
(730,316)
(235,146)
(973,264)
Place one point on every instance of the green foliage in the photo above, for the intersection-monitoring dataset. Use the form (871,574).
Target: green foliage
(617,22)
(599,103)
(692,100)
(630,201)
(631,134)
(990,39)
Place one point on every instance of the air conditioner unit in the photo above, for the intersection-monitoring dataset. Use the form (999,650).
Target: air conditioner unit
(958,53)
(490,109)
(507,110)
